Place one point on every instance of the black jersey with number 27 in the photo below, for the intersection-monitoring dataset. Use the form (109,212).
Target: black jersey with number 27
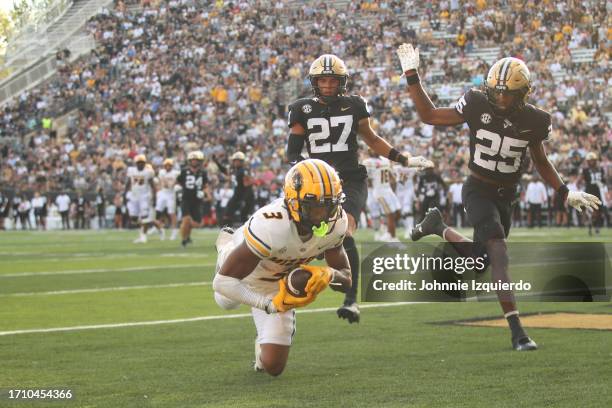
(331,131)
(498,145)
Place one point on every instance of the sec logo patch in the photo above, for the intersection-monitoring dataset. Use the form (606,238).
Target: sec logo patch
(306,108)
(485,118)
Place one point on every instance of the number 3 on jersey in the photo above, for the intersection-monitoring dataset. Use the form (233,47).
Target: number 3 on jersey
(500,145)
(324,125)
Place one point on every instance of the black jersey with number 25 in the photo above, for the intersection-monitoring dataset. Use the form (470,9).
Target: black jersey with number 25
(498,145)
(331,130)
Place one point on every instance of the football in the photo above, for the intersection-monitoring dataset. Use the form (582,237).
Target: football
(296,282)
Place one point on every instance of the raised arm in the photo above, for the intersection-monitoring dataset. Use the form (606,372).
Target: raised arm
(428,112)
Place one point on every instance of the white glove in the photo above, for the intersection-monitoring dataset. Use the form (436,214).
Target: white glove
(579,199)
(409,57)
(200,194)
(419,162)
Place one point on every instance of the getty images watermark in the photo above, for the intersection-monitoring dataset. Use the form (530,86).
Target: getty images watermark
(445,272)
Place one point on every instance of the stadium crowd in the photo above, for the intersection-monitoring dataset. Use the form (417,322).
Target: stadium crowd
(168,77)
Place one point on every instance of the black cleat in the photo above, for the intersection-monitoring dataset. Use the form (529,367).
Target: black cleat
(349,312)
(431,224)
(524,344)
(186,242)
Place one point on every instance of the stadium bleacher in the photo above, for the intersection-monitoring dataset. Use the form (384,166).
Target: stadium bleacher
(166,76)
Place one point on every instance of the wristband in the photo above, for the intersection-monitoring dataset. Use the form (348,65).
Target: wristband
(563,191)
(413,79)
(396,156)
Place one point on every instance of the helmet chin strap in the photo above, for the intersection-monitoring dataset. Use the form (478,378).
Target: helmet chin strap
(321,230)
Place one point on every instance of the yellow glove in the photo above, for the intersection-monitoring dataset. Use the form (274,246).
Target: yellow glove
(284,300)
(321,276)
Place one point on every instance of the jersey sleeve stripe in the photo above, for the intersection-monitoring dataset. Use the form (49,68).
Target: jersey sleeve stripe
(257,238)
(255,246)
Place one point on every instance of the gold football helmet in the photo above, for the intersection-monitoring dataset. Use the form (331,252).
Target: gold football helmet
(328,65)
(168,162)
(313,195)
(140,159)
(238,156)
(591,156)
(195,155)
(508,76)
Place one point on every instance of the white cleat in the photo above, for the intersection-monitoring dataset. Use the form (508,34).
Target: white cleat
(173,236)
(162,234)
(141,240)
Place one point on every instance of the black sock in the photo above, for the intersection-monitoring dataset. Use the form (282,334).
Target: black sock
(353,257)
(515,326)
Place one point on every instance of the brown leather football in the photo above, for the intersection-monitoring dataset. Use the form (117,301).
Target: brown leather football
(296,282)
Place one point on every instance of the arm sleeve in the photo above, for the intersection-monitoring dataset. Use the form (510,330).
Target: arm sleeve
(234,289)
(181,178)
(295,144)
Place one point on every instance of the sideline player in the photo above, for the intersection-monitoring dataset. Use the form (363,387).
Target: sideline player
(382,176)
(595,183)
(329,123)
(405,192)
(285,234)
(140,194)
(194,183)
(502,128)
(166,196)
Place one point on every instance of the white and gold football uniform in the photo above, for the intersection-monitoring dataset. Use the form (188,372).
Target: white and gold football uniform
(273,237)
(140,194)
(380,173)
(166,199)
(405,187)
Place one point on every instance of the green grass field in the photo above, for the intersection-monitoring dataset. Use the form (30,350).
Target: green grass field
(126,325)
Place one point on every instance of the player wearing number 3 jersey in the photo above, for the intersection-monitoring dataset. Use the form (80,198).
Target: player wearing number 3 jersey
(329,124)
(502,127)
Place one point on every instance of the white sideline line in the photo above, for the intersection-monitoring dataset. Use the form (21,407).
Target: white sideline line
(102,270)
(187,320)
(111,289)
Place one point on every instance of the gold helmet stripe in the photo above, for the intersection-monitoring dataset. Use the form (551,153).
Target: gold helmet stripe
(326,179)
(315,170)
(331,179)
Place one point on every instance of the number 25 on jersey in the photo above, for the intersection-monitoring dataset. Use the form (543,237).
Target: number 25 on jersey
(499,145)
